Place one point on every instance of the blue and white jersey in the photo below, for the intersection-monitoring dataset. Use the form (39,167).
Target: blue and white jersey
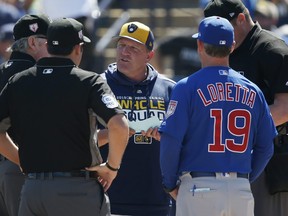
(217,121)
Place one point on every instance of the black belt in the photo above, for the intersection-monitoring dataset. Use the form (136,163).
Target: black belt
(51,175)
(213,174)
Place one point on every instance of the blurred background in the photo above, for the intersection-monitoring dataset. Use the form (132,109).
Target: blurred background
(172,22)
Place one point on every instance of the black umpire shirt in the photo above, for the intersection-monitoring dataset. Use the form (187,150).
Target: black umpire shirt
(263,58)
(18,62)
(48,107)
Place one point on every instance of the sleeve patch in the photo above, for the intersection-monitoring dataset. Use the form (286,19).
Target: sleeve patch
(171,108)
(110,101)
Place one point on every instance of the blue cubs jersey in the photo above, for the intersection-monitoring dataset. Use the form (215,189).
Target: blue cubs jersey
(217,121)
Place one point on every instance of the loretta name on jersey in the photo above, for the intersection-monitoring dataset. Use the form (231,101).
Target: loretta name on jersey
(227,91)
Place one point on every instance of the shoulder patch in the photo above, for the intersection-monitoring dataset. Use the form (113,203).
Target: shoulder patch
(110,101)
(171,108)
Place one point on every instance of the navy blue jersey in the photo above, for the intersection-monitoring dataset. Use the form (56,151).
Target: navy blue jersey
(216,119)
(137,190)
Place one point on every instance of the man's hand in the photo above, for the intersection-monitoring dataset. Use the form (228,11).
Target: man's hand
(152,132)
(106,175)
(174,193)
(131,132)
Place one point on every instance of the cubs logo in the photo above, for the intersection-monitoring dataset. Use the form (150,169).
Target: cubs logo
(132,28)
(33,27)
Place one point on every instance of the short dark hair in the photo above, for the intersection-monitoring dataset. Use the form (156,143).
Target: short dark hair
(59,50)
(217,51)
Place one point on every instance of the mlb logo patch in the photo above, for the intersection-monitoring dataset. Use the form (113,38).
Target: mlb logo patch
(223,72)
(222,42)
(33,27)
(171,108)
(47,71)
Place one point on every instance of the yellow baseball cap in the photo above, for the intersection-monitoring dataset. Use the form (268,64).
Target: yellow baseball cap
(138,32)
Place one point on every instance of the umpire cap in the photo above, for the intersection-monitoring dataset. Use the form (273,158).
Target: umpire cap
(29,25)
(65,33)
(228,9)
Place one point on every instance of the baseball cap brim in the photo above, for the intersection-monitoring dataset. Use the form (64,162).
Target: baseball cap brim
(116,38)
(86,39)
(196,35)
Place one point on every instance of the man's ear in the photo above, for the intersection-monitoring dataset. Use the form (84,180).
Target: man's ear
(31,42)
(78,49)
(200,45)
(150,55)
(240,19)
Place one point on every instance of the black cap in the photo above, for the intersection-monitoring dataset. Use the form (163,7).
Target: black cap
(29,25)
(228,9)
(65,32)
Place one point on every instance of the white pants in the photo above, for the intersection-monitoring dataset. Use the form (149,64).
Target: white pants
(214,196)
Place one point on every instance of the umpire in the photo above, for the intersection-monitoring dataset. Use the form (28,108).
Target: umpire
(52,108)
(29,46)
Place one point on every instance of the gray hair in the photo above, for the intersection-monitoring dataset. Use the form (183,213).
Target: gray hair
(20,45)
